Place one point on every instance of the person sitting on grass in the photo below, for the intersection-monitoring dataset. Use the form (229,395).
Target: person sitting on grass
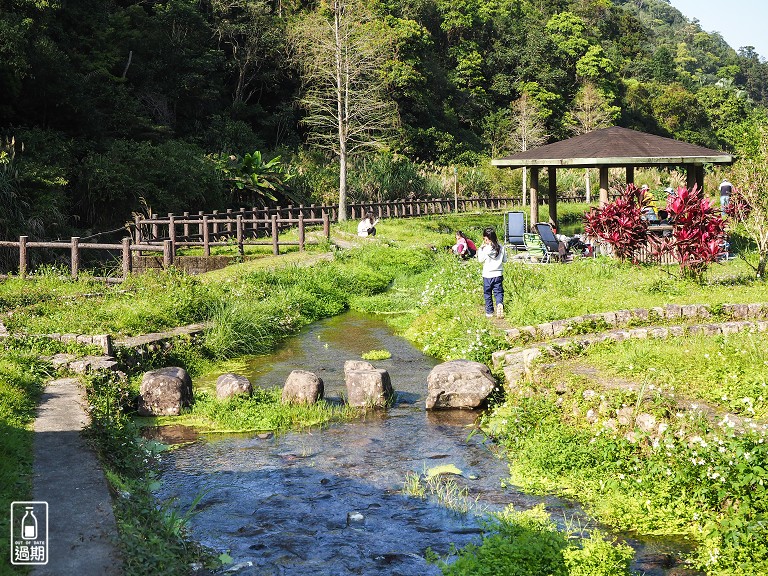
(464,247)
(367,226)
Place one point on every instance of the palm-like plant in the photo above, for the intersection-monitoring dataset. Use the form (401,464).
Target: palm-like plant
(253,181)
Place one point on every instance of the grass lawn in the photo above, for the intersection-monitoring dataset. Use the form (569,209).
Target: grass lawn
(405,275)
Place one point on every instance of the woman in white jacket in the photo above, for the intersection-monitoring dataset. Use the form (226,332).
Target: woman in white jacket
(492,255)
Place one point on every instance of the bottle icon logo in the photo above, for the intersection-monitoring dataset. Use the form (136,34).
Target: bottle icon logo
(29,533)
(29,524)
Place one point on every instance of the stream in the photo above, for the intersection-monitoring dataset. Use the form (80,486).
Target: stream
(329,502)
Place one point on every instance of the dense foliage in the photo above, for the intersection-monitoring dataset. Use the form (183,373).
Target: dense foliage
(128,106)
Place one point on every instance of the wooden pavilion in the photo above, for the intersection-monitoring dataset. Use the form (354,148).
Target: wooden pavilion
(609,148)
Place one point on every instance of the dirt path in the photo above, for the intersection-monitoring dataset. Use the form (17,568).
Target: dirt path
(67,475)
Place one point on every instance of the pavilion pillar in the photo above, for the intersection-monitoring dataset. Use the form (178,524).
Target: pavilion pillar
(700,176)
(603,185)
(552,195)
(534,198)
(690,176)
(630,175)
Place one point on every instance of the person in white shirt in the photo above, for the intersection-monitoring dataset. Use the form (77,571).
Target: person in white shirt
(725,194)
(367,226)
(492,255)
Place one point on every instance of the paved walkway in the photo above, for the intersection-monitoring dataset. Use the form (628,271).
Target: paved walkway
(67,475)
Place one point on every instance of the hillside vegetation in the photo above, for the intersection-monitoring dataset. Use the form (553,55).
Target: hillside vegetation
(112,107)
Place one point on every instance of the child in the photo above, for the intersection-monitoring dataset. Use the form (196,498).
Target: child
(464,247)
(492,255)
(367,226)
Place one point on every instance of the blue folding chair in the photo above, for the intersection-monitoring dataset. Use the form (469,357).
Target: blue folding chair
(515,227)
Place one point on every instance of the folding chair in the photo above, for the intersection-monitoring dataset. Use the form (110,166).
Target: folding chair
(535,247)
(515,226)
(551,243)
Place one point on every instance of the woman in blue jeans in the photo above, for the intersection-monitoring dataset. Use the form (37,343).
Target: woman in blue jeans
(492,256)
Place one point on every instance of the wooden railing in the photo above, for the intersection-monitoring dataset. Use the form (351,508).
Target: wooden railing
(255,226)
(76,247)
(245,227)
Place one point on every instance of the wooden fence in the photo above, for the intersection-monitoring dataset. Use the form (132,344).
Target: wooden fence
(76,247)
(244,227)
(255,226)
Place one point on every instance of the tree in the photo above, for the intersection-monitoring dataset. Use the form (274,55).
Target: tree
(529,129)
(591,111)
(749,204)
(249,31)
(341,51)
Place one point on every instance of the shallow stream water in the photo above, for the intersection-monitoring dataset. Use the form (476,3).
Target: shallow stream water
(329,502)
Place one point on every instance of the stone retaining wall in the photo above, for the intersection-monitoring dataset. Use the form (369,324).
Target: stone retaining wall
(517,363)
(619,318)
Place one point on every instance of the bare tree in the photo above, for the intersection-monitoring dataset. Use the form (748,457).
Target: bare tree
(590,111)
(341,53)
(247,30)
(529,130)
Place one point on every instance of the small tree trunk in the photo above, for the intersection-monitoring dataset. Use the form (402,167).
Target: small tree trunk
(761,265)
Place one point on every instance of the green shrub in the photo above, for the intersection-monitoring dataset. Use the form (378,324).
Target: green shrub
(598,557)
(376,355)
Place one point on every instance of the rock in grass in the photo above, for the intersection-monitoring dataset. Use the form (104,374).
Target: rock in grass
(459,384)
(229,385)
(164,392)
(302,387)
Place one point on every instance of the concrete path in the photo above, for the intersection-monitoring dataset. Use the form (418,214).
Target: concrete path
(66,474)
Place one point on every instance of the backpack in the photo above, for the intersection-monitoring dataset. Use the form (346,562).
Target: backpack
(471,248)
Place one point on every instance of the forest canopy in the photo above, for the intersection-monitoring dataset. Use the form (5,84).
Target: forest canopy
(112,107)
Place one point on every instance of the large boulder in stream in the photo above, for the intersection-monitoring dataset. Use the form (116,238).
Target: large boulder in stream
(459,384)
(367,387)
(302,387)
(229,385)
(164,392)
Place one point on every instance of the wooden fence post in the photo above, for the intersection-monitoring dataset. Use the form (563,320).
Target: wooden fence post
(167,254)
(275,245)
(172,231)
(326,225)
(75,256)
(240,249)
(206,238)
(137,228)
(186,226)
(215,224)
(127,262)
(301,232)
(23,261)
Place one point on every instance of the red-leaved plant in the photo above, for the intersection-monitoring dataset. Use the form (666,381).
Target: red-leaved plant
(698,232)
(620,223)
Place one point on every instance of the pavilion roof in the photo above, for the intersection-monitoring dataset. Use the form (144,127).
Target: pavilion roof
(615,146)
